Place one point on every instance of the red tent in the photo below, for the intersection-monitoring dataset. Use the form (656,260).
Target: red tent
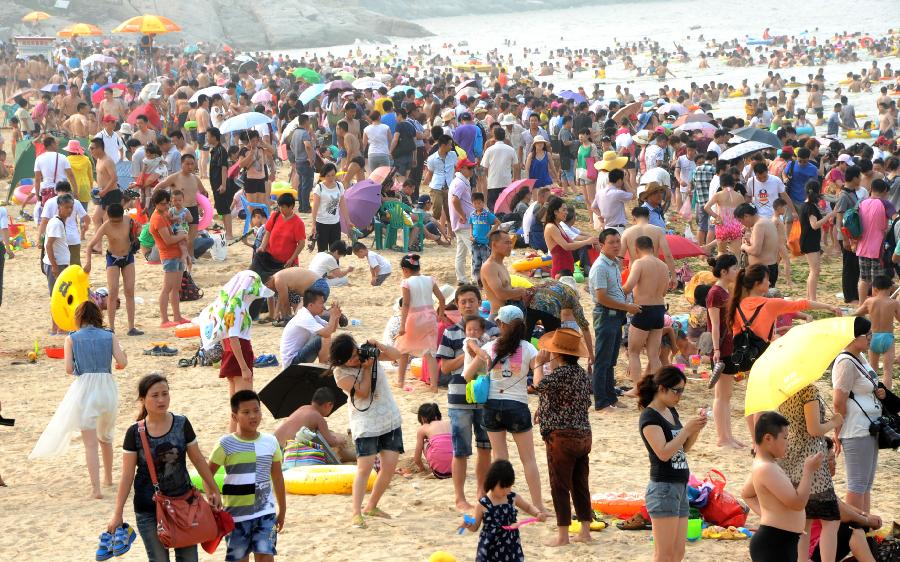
(151,113)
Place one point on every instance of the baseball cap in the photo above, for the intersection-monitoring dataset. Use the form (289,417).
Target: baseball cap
(787,150)
(465,163)
(846,158)
(424,200)
(109,119)
(507,314)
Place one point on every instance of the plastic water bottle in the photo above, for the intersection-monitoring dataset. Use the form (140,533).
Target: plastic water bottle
(355,322)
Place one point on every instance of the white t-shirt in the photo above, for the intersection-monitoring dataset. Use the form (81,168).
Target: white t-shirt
(528,220)
(509,377)
(329,202)
(4,218)
(52,166)
(846,375)
(763,194)
(653,156)
(686,168)
(112,145)
(499,159)
(73,231)
(382,264)
(60,248)
(378,138)
(297,332)
(322,264)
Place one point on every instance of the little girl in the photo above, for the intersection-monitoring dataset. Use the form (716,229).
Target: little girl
(475,338)
(180,216)
(498,509)
(418,321)
(434,438)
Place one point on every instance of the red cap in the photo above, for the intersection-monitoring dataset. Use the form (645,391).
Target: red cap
(483,95)
(465,163)
(787,150)
(109,119)
(464,98)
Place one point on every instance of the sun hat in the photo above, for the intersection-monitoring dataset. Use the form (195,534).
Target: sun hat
(508,119)
(565,341)
(125,129)
(650,189)
(74,147)
(509,313)
(569,281)
(643,137)
(539,138)
(845,158)
(448,115)
(611,161)
(449,292)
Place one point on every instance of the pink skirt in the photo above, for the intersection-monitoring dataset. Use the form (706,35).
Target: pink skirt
(731,230)
(421,332)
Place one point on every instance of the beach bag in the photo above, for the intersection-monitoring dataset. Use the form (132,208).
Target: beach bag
(722,508)
(591,170)
(794,238)
(747,345)
(477,390)
(219,250)
(852,222)
(189,290)
(180,521)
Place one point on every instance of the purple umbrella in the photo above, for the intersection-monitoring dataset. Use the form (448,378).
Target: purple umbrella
(363,200)
(570,95)
(338,85)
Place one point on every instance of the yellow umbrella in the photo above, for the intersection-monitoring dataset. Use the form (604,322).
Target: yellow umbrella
(148,25)
(34,17)
(794,361)
(80,30)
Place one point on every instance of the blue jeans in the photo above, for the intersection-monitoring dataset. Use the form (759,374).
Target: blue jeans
(306,173)
(156,552)
(608,340)
(309,353)
(463,424)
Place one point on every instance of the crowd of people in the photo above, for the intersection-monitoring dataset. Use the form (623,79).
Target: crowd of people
(490,164)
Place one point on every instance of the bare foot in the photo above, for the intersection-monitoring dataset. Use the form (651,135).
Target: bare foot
(95,494)
(108,482)
(581,537)
(557,541)
(631,393)
(463,506)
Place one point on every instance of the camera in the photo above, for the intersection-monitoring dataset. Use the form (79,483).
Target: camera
(368,351)
(888,437)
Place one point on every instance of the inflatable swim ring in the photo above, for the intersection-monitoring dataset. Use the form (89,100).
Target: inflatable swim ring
(280,187)
(206,212)
(736,94)
(441,556)
(794,85)
(188,330)
(69,291)
(519,282)
(219,477)
(329,479)
(620,505)
(575,527)
(807,130)
(858,134)
(844,81)
(24,195)
(190,125)
(700,278)
(529,264)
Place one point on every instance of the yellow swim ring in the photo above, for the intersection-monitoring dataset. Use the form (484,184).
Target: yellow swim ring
(281,187)
(736,94)
(69,291)
(329,479)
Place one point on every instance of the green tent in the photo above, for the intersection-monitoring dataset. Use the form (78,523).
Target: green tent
(25,155)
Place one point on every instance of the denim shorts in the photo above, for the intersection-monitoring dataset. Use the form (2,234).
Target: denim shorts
(173,265)
(403,164)
(257,535)
(702,219)
(390,441)
(507,415)
(667,499)
(463,423)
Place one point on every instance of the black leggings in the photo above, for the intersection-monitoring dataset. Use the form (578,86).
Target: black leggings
(326,234)
(771,544)
(849,275)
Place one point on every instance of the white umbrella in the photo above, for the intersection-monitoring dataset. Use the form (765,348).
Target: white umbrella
(670,107)
(98,59)
(468,91)
(262,96)
(243,57)
(367,83)
(208,92)
(743,149)
(464,85)
(244,121)
(151,91)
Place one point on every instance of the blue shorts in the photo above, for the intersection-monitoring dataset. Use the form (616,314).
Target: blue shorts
(322,285)
(403,164)
(390,441)
(702,219)
(257,535)
(881,342)
(667,499)
(463,423)
(119,261)
(507,415)
(173,265)
(201,141)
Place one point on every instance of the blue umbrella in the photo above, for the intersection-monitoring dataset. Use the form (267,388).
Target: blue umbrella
(191,49)
(312,93)
(74,62)
(52,88)
(570,95)
(244,121)
(403,89)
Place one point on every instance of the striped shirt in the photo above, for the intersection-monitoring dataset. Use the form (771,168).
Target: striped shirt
(247,489)
(452,347)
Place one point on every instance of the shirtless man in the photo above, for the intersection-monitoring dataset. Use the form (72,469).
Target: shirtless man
(289,285)
(783,505)
(354,164)
(763,245)
(70,102)
(145,135)
(494,276)
(648,280)
(312,417)
(201,115)
(107,180)
(77,124)
(642,227)
(814,99)
(190,185)
(111,106)
(119,260)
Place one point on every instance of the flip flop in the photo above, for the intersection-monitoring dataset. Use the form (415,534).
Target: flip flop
(376,512)
(359,522)
(635,523)
(170,324)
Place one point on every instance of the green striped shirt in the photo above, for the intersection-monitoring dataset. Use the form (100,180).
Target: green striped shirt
(247,489)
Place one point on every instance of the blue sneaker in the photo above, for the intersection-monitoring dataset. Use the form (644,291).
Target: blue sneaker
(125,535)
(105,548)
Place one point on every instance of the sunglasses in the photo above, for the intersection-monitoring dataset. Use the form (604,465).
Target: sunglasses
(679,391)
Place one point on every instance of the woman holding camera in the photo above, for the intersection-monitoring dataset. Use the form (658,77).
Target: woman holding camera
(853,376)
(374,417)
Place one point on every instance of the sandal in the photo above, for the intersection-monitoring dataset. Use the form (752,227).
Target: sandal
(359,522)
(135,332)
(280,323)
(265,320)
(161,350)
(635,523)
(376,512)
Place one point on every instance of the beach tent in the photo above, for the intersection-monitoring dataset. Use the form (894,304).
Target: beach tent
(26,152)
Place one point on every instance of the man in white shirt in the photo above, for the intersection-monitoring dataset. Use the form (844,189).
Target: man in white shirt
(76,224)
(498,160)
(720,141)
(56,255)
(610,201)
(307,337)
(763,188)
(51,167)
(112,142)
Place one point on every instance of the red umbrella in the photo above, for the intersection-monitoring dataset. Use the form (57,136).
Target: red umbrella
(151,113)
(97,96)
(682,248)
(506,197)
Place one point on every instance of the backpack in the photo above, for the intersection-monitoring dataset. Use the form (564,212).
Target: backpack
(189,290)
(747,345)
(888,247)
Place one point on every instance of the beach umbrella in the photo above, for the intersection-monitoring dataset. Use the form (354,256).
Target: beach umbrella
(243,57)
(52,88)
(707,128)
(21,93)
(626,112)
(794,361)
(678,108)
(311,93)
(468,92)
(308,75)
(502,204)
(367,83)
(363,200)
(80,30)
(379,174)
(743,149)
(191,49)
(97,96)
(150,91)
(294,387)
(248,66)
(98,59)
(209,92)
(244,121)
(34,17)
(147,24)
(464,85)
(403,89)
(149,112)
(344,75)
(699,117)
(570,95)
(338,86)
(682,248)
(262,96)
(758,135)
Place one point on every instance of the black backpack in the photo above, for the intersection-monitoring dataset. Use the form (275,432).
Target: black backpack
(747,345)
(189,290)
(888,247)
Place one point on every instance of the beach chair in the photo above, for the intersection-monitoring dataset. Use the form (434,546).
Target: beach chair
(248,211)
(386,233)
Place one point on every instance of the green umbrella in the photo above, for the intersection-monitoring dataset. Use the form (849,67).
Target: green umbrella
(344,75)
(308,75)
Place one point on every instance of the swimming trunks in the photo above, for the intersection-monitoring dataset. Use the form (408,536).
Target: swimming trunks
(771,544)
(881,342)
(195,214)
(119,261)
(773,274)
(651,317)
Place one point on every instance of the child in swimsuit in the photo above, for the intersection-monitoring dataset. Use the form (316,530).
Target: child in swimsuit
(882,311)
(181,217)
(433,437)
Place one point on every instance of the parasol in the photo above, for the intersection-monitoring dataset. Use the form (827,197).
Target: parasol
(97,96)
(758,135)
(742,149)
(150,112)
(367,83)
(294,387)
(80,30)
(308,75)
(311,93)
(147,24)
(98,59)
(244,121)
(502,205)
(208,92)
(692,118)
(626,112)
(34,17)
(262,96)
(682,248)
(363,200)
(570,95)
(338,86)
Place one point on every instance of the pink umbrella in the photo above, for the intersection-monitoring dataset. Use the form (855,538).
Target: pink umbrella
(97,96)
(262,96)
(363,200)
(379,174)
(506,196)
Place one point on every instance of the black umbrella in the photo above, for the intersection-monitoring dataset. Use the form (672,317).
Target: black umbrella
(295,386)
(758,135)
(248,66)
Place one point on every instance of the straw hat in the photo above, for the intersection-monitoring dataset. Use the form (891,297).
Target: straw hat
(448,115)
(650,189)
(565,341)
(74,147)
(125,129)
(611,161)
(508,119)
(539,138)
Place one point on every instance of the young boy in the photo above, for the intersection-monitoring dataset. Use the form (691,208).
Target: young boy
(882,311)
(257,229)
(784,253)
(181,216)
(782,507)
(432,227)
(379,267)
(483,223)
(252,462)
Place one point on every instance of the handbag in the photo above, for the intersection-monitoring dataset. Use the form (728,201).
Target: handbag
(181,521)
(591,170)
(722,508)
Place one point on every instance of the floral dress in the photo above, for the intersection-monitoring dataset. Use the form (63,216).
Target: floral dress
(497,544)
(730,228)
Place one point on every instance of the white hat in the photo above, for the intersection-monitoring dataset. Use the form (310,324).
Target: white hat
(539,138)
(509,313)
(448,291)
(845,158)
(508,119)
(569,281)
(125,129)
